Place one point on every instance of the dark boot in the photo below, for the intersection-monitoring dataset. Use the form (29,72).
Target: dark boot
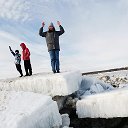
(30,72)
(27,75)
(54,71)
(58,71)
(21,75)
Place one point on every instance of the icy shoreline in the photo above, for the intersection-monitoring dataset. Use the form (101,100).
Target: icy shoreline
(28,110)
(61,84)
(87,96)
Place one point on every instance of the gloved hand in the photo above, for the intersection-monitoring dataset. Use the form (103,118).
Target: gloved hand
(43,24)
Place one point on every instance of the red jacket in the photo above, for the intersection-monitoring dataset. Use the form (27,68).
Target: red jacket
(25,52)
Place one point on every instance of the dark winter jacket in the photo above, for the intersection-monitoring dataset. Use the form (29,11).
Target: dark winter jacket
(52,38)
(17,57)
(25,52)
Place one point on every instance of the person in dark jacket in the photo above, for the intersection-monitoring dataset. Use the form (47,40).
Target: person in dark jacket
(52,40)
(17,60)
(26,58)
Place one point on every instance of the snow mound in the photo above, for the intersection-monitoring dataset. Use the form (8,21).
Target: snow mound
(91,85)
(104,105)
(65,120)
(28,110)
(114,78)
(61,84)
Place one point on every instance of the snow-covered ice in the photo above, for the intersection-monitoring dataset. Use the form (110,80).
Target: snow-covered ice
(61,84)
(100,102)
(104,105)
(114,78)
(28,110)
(91,85)
(65,120)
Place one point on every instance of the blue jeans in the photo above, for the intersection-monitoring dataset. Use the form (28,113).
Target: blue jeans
(54,55)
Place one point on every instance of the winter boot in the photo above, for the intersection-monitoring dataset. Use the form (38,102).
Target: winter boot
(58,71)
(21,74)
(54,71)
(26,75)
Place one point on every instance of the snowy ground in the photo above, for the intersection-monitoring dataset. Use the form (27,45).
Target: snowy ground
(92,85)
(28,110)
(22,104)
(101,95)
(100,99)
(104,105)
(61,84)
(117,78)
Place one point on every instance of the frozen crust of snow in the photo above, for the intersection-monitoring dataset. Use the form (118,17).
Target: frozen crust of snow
(65,120)
(104,105)
(28,110)
(61,84)
(91,85)
(114,78)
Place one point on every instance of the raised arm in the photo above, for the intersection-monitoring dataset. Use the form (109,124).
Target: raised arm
(61,29)
(11,51)
(41,33)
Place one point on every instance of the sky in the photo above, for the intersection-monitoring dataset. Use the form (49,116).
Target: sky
(95,35)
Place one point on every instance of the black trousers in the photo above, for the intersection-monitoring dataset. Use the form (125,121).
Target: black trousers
(28,68)
(18,67)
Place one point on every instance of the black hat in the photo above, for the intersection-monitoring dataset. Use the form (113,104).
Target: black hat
(17,51)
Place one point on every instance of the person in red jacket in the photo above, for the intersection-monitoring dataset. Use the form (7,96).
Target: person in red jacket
(26,58)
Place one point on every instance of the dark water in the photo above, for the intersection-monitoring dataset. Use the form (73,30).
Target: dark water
(75,122)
